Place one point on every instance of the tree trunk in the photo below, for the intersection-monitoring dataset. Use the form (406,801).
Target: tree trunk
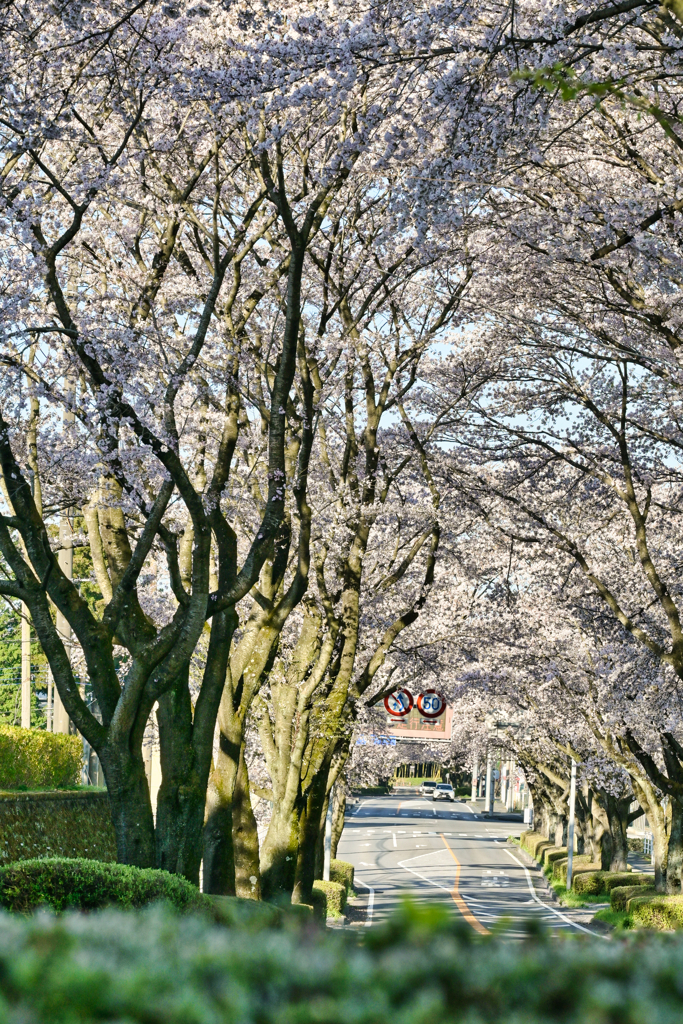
(675,849)
(279,855)
(309,834)
(338,813)
(219,850)
(617,816)
(131,807)
(245,837)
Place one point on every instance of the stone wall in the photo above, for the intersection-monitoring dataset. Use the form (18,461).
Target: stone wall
(70,823)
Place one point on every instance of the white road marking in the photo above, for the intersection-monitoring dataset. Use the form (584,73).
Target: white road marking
(371,900)
(535,898)
(393,836)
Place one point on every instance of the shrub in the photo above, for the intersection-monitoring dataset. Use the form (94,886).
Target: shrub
(57,824)
(341,871)
(615,879)
(32,759)
(552,854)
(581,863)
(588,882)
(334,894)
(664,913)
(621,894)
(153,967)
(534,843)
(77,884)
(596,882)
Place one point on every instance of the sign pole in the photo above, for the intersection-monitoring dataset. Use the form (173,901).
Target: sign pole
(328,837)
(570,831)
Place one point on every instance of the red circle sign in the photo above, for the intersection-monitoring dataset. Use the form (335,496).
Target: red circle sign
(399,703)
(431,704)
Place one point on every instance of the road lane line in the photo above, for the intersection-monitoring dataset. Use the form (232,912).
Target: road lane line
(371,900)
(459,901)
(393,836)
(545,906)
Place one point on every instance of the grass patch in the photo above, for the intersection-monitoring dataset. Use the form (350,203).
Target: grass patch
(619,920)
(570,898)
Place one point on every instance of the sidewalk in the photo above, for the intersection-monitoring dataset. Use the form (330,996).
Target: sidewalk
(500,811)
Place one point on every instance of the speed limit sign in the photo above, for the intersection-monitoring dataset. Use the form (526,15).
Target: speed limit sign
(431,704)
(399,703)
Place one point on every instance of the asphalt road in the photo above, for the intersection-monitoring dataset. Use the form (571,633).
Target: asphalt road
(440,852)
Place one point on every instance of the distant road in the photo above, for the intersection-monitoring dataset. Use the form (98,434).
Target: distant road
(438,852)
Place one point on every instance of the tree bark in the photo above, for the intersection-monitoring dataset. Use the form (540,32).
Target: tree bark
(338,813)
(245,837)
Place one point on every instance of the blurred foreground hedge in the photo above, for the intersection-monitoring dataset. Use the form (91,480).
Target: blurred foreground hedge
(33,759)
(155,967)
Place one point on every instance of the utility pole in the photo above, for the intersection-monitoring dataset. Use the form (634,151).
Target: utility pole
(488,806)
(570,831)
(328,837)
(475,778)
(25,668)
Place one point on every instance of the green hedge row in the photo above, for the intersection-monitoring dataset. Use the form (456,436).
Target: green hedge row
(33,759)
(154,967)
(621,895)
(334,895)
(77,884)
(69,824)
(594,883)
(664,913)
(341,871)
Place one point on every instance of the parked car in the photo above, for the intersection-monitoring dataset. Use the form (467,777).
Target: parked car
(443,791)
(427,788)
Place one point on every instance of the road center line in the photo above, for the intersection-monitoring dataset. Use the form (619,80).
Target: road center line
(459,901)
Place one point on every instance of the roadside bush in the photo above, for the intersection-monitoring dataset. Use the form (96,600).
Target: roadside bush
(581,863)
(665,913)
(32,759)
(334,894)
(552,854)
(589,883)
(534,843)
(154,967)
(614,879)
(620,895)
(341,871)
(76,884)
(595,882)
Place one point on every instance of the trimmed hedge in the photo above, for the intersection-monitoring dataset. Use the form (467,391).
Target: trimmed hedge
(581,863)
(341,871)
(620,895)
(66,824)
(334,895)
(154,967)
(665,913)
(33,759)
(553,854)
(78,884)
(596,882)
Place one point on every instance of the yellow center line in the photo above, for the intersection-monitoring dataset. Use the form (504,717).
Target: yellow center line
(399,808)
(459,901)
